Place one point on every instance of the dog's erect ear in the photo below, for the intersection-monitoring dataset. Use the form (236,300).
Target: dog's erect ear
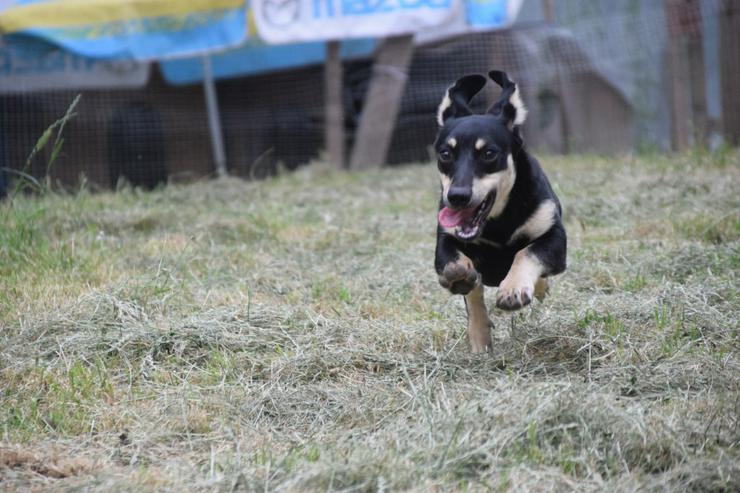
(459,94)
(509,107)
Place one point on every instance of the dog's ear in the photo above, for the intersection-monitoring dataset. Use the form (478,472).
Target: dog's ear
(459,94)
(509,107)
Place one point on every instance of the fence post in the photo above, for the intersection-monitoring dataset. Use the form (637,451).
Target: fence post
(214,118)
(686,65)
(333,107)
(730,69)
(549,15)
(678,70)
(382,102)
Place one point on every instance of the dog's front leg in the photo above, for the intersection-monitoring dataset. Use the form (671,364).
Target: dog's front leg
(543,257)
(456,271)
(479,324)
(458,274)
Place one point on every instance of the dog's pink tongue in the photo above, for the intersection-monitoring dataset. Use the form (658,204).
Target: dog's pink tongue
(449,218)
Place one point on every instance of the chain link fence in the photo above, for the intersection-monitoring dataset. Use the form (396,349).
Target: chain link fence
(599,76)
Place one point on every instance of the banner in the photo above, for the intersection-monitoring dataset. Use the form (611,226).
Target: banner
(488,14)
(293,21)
(476,16)
(30,64)
(255,57)
(129,29)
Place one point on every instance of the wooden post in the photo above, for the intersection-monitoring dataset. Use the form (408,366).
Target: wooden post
(548,14)
(333,107)
(686,65)
(678,69)
(547,10)
(730,69)
(382,102)
(697,72)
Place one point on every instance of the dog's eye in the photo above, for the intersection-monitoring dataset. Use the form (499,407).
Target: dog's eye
(489,155)
(445,156)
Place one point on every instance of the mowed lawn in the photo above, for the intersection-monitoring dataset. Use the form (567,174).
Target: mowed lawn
(290,335)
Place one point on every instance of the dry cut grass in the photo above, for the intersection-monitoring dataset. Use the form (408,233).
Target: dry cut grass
(290,335)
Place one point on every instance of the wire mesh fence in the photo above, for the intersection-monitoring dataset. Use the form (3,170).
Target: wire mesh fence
(598,76)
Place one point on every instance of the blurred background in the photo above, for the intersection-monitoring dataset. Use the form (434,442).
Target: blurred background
(184,90)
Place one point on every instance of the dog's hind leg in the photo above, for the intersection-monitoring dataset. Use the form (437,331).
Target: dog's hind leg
(541,288)
(479,325)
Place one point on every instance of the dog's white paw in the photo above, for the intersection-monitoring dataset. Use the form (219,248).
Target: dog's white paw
(513,295)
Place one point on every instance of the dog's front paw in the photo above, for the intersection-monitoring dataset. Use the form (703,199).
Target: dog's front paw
(460,277)
(513,296)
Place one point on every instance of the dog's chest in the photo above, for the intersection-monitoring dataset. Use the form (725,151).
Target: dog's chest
(500,231)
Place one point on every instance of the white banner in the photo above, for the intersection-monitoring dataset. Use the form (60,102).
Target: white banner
(292,21)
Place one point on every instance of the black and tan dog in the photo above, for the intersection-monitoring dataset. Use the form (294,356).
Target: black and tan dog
(499,219)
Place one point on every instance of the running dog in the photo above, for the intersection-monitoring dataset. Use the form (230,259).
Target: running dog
(499,221)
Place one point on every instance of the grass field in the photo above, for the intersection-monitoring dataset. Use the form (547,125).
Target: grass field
(290,335)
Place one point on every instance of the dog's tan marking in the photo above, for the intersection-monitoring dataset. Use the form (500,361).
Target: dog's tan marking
(517,288)
(505,184)
(483,185)
(541,288)
(480,144)
(452,142)
(537,224)
(446,182)
(479,325)
(501,181)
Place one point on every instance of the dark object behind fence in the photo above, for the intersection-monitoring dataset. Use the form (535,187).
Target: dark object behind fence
(136,146)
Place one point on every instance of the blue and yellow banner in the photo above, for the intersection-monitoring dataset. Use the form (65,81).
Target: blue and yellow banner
(256,57)
(129,29)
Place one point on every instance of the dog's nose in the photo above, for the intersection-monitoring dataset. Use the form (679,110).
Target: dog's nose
(459,196)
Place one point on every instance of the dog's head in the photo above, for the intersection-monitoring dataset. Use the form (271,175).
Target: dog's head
(474,153)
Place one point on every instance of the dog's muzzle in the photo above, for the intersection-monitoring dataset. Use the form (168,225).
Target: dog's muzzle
(467,224)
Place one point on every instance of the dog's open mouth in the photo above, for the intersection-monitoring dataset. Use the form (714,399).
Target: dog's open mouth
(467,223)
